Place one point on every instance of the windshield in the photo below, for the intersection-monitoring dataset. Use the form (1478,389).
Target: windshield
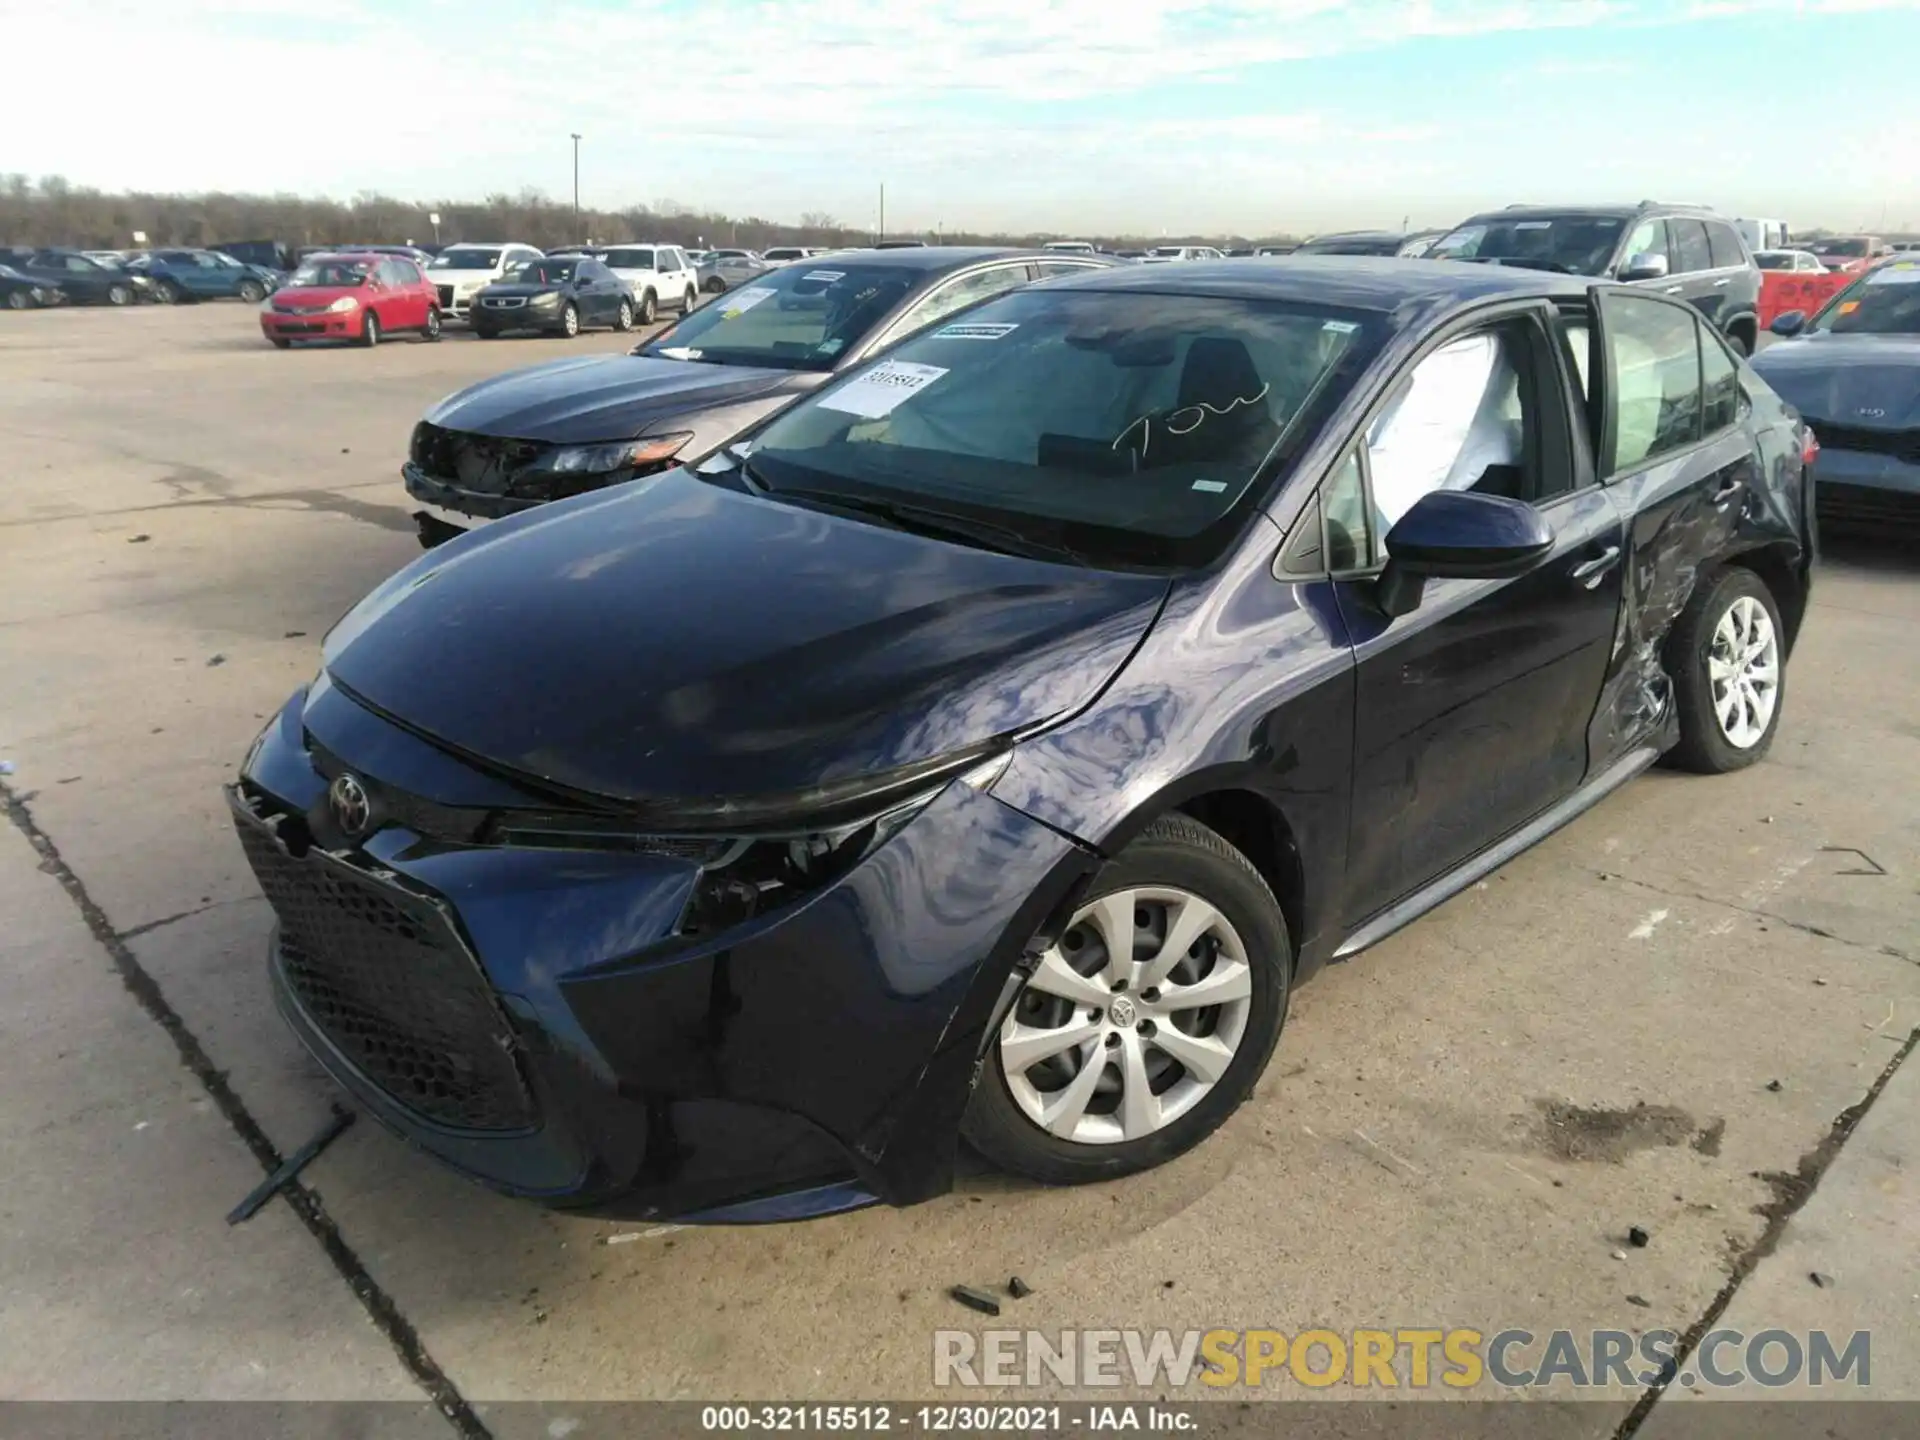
(1169,251)
(465,260)
(544,272)
(801,317)
(1885,301)
(630,259)
(1127,428)
(1571,245)
(1773,259)
(1853,248)
(331,272)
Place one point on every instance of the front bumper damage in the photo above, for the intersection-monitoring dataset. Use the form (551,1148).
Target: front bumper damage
(582,1053)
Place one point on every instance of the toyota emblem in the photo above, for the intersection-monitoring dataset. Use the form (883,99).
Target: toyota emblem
(351,808)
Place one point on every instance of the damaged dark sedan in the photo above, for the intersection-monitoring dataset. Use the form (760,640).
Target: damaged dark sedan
(522,439)
(988,744)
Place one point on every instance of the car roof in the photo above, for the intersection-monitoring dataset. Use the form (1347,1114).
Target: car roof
(1359,282)
(940,257)
(1598,212)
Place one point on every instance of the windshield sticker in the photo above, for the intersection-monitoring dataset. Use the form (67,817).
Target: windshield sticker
(1340,327)
(680,352)
(830,347)
(1533,225)
(979,331)
(825,277)
(1212,487)
(743,301)
(1905,273)
(877,391)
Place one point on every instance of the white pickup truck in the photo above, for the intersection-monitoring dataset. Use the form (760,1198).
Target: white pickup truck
(660,277)
(462,271)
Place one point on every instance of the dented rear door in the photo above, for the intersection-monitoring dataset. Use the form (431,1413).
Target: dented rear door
(1682,464)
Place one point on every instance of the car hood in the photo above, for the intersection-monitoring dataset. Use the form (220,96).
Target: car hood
(527,290)
(1866,380)
(671,641)
(601,397)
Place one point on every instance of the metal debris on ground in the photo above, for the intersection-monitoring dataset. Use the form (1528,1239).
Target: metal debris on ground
(1637,1237)
(1018,1288)
(1640,1300)
(1824,1281)
(975,1299)
(291,1167)
(1619,1254)
(138,539)
(1775,1086)
(216,660)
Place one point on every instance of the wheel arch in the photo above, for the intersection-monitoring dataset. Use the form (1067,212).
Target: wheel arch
(1248,818)
(1776,565)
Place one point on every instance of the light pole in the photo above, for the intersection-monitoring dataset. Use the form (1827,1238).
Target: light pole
(576,183)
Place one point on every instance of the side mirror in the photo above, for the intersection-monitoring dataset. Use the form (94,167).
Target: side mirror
(1789,323)
(1645,266)
(1458,535)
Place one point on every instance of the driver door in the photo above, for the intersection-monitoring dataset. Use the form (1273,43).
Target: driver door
(1472,710)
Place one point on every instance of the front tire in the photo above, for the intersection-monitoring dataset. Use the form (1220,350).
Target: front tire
(1116,1059)
(20,300)
(118,295)
(623,321)
(432,329)
(1741,342)
(688,301)
(482,332)
(1727,657)
(166,292)
(649,307)
(570,320)
(370,330)
(251,291)
(280,342)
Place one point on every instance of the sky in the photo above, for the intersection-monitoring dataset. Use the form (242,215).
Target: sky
(1077,117)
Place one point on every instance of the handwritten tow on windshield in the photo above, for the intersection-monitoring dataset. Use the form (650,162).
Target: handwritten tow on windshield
(1185,420)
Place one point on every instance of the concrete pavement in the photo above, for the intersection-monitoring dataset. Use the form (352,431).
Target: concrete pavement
(1458,1128)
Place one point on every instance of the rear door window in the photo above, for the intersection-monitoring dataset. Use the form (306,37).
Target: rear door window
(1725,246)
(1690,249)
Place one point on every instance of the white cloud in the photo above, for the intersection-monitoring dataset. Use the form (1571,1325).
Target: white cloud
(981,112)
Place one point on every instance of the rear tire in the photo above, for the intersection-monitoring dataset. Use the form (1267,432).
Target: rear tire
(166,292)
(119,295)
(1727,656)
(432,329)
(20,300)
(251,291)
(688,301)
(370,330)
(1179,873)
(1741,341)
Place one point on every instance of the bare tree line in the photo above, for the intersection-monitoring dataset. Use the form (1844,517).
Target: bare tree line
(50,211)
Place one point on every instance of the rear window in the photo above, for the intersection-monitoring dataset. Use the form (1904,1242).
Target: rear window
(630,259)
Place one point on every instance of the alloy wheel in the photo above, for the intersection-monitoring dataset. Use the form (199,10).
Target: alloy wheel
(570,321)
(1130,1019)
(1743,667)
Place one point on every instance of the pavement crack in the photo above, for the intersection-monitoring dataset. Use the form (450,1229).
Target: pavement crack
(166,920)
(1790,1192)
(378,1304)
(1770,916)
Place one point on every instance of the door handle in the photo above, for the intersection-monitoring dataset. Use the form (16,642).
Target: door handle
(1590,572)
(1718,284)
(1727,491)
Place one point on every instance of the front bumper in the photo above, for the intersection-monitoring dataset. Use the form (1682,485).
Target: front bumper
(1855,488)
(806,1060)
(457,505)
(323,325)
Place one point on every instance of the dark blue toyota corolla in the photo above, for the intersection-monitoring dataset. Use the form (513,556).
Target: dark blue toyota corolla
(987,745)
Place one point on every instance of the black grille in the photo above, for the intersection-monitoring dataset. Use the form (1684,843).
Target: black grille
(1887,512)
(1901,444)
(478,464)
(380,972)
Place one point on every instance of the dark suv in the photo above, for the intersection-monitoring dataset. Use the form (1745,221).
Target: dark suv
(1683,250)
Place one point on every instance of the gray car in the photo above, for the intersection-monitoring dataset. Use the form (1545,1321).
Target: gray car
(725,270)
(1686,251)
(532,436)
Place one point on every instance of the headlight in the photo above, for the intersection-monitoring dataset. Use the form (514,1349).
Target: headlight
(606,459)
(345,303)
(545,297)
(759,867)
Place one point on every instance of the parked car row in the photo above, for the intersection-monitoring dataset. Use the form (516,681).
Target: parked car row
(943,692)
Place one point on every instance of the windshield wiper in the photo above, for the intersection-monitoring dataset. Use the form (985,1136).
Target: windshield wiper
(919,520)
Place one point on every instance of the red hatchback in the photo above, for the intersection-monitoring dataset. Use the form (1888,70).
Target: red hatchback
(353,296)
